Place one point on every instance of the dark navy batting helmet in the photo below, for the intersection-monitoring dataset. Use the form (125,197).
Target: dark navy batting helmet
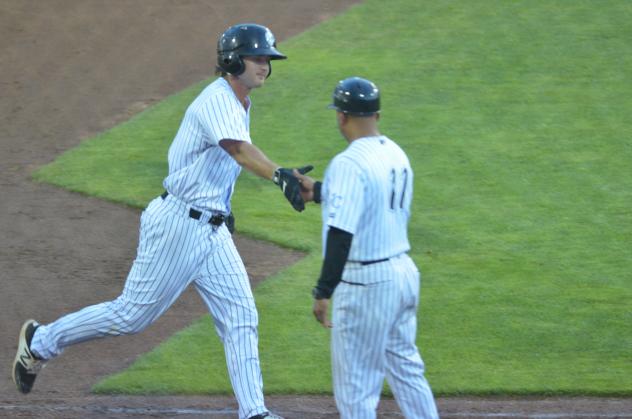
(356,96)
(243,40)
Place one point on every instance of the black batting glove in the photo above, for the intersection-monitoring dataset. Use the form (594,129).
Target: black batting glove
(289,184)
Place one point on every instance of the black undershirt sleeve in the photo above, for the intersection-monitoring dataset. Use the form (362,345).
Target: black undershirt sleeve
(317,187)
(336,254)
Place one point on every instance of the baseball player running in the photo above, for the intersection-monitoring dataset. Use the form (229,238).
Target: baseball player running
(366,197)
(184,238)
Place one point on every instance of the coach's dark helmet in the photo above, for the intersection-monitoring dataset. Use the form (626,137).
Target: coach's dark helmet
(243,40)
(356,96)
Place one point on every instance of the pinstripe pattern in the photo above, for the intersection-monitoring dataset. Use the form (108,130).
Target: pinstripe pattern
(367,191)
(358,188)
(200,171)
(176,250)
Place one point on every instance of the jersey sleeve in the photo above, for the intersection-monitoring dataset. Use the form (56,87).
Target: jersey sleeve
(222,118)
(345,189)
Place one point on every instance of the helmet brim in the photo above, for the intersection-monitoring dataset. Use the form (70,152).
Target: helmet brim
(338,109)
(273,53)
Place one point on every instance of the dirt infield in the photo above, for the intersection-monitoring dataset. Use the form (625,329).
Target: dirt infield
(70,69)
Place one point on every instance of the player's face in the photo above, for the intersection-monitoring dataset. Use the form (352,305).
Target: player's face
(257,69)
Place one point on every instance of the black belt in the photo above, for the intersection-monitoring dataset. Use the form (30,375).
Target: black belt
(353,283)
(369,262)
(216,220)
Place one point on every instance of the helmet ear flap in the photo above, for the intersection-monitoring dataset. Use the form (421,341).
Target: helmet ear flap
(230,62)
(233,64)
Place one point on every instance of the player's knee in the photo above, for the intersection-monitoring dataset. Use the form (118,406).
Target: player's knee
(133,318)
(236,323)
(246,316)
(238,330)
(238,334)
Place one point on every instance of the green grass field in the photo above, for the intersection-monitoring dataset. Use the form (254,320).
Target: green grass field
(516,118)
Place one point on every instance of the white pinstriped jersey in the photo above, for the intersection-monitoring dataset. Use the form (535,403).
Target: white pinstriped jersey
(201,173)
(176,250)
(367,191)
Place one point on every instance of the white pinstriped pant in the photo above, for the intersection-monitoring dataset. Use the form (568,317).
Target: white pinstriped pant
(373,337)
(175,250)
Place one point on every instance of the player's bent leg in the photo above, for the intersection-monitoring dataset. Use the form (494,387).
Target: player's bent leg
(44,342)
(161,271)
(112,318)
(357,347)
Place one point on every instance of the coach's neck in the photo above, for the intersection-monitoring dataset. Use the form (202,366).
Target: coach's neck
(354,127)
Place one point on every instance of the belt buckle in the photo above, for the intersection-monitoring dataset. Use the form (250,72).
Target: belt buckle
(215,220)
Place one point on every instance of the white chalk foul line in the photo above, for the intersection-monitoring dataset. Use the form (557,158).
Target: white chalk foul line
(120,410)
(191,411)
(560,415)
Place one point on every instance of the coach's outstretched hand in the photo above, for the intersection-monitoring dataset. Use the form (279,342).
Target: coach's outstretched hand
(290,185)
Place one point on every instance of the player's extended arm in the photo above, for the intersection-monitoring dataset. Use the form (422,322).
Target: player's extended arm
(252,159)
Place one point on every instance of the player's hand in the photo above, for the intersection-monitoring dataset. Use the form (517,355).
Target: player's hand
(320,312)
(289,184)
(306,186)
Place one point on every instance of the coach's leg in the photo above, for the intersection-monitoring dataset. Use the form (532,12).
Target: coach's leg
(358,341)
(165,261)
(225,288)
(404,366)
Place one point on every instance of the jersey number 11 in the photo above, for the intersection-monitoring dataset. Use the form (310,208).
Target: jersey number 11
(398,188)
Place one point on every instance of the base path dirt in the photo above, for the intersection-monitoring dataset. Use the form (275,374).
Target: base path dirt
(68,70)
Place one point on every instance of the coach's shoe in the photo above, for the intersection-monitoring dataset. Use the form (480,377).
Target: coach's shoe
(26,365)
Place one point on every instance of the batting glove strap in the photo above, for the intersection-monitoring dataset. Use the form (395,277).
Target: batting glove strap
(276,178)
